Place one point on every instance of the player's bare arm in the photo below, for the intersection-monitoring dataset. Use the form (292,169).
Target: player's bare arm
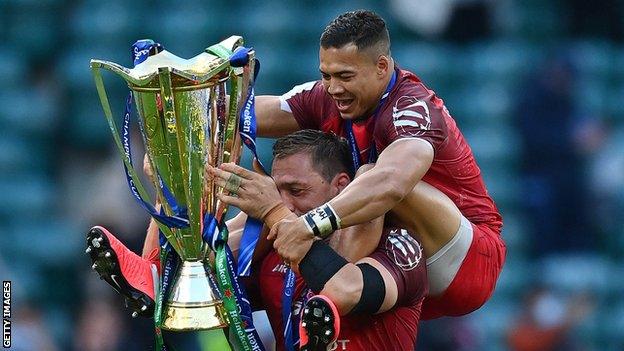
(365,286)
(272,121)
(377,191)
(399,168)
(258,197)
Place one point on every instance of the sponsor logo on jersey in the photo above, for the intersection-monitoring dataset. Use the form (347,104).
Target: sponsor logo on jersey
(406,251)
(280,268)
(411,116)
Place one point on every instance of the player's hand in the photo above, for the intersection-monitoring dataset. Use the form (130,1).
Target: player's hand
(292,240)
(254,193)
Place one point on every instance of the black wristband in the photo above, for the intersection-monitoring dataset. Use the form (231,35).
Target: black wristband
(373,291)
(319,265)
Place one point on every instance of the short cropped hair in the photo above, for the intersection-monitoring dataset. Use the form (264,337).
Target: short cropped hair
(365,29)
(330,153)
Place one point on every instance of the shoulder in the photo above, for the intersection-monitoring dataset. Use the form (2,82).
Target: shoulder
(409,103)
(413,110)
(307,103)
(314,88)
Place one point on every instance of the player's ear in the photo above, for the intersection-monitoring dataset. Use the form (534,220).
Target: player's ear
(340,181)
(383,65)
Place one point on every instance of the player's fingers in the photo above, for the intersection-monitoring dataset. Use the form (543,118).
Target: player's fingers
(219,173)
(233,188)
(236,169)
(230,200)
(273,234)
(220,183)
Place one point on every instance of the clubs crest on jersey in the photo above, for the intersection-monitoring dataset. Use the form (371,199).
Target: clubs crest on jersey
(411,115)
(406,251)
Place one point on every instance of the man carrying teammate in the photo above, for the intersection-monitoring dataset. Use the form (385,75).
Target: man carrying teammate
(380,293)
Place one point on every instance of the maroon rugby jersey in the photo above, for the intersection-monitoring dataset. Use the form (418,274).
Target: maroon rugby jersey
(395,329)
(411,111)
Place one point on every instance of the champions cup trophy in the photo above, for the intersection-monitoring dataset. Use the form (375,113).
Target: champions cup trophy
(185,126)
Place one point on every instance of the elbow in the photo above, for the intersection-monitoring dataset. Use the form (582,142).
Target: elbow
(345,293)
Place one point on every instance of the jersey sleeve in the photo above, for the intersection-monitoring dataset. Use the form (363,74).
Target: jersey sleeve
(403,257)
(305,103)
(415,115)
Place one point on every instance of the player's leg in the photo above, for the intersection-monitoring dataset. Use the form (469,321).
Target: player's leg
(475,280)
(320,324)
(358,241)
(428,213)
(463,260)
(425,212)
(128,273)
(151,245)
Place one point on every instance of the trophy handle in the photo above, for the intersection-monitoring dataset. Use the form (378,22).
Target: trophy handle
(225,48)
(99,83)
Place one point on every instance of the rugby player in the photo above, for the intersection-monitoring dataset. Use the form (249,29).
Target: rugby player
(381,294)
(425,174)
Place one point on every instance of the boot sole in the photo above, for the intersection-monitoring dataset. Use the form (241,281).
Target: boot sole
(106,264)
(319,321)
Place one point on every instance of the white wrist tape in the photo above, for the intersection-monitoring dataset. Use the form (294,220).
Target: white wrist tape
(322,221)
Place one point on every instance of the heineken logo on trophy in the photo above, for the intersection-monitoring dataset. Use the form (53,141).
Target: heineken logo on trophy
(188,123)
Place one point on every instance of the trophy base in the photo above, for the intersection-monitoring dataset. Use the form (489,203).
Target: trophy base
(192,305)
(193,318)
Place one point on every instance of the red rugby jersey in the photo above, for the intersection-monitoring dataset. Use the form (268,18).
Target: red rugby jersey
(395,329)
(411,111)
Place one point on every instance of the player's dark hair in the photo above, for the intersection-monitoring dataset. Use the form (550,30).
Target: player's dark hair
(330,153)
(363,28)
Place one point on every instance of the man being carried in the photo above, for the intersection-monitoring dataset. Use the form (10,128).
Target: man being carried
(379,293)
(425,175)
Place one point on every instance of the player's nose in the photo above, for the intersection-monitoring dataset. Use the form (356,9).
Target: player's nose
(335,88)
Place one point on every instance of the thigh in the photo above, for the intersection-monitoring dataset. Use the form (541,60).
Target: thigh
(429,214)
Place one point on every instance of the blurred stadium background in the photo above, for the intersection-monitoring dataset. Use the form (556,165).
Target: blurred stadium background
(536,86)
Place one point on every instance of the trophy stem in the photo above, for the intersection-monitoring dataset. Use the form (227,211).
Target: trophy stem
(192,304)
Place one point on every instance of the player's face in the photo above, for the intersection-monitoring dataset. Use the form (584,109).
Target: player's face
(354,79)
(301,187)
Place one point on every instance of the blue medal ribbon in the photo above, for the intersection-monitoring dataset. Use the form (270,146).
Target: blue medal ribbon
(290,320)
(141,50)
(247,131)
(290,333)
